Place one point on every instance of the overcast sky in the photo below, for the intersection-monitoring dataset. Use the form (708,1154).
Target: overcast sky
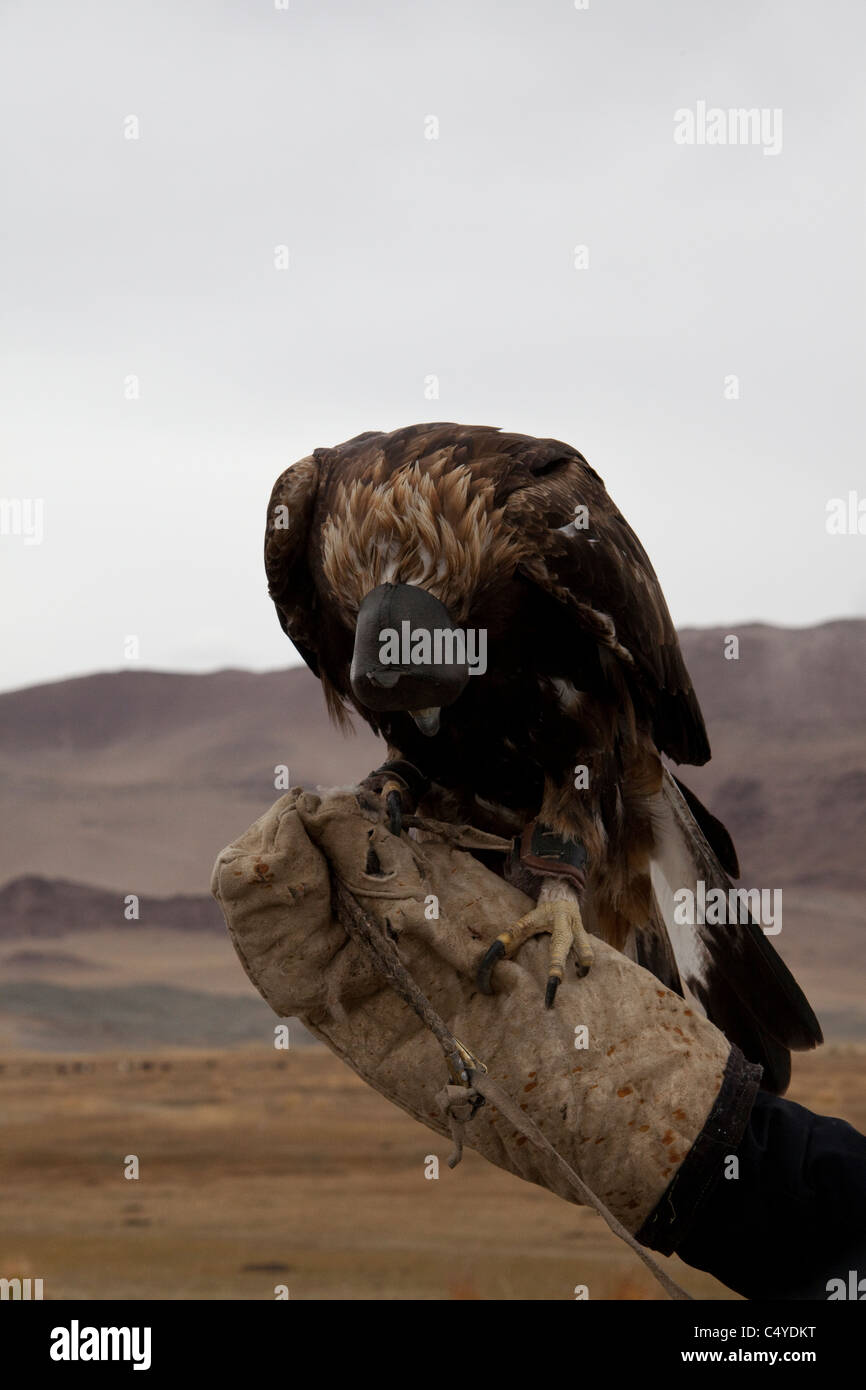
(153,258)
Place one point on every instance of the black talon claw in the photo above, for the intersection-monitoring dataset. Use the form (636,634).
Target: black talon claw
(395,813)
(484,973)
(550,992)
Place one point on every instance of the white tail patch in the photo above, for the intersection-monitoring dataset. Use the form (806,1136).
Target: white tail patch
(672,868)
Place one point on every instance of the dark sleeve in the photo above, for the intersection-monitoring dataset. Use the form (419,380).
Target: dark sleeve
(792,1221)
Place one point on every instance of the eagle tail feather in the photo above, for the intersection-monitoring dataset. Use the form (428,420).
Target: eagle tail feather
(652,948)
(731,968)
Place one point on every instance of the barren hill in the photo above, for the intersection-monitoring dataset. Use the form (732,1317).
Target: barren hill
(130,782)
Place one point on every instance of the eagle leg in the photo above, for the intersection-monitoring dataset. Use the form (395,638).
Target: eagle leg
(557,912)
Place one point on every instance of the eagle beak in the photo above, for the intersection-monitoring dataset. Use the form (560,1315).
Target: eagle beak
(427,720)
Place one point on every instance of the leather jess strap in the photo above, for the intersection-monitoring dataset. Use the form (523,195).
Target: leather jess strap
(544,852)
(416,782)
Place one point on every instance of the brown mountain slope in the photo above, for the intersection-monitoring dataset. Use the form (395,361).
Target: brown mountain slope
(132,781)
(787,725)
(31,906)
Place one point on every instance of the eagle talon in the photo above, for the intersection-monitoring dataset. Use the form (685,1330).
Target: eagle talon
(553,983)
(484,974)
(395,812)
(560,916)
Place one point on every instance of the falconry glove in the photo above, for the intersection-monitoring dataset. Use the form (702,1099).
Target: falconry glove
(633,1088)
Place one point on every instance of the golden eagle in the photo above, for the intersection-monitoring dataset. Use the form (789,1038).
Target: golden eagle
(479,600)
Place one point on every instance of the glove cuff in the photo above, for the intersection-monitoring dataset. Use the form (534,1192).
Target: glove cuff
(669,1223)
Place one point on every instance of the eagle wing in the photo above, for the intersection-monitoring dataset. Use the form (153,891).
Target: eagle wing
(592,562)
(287,555)
(587,557)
